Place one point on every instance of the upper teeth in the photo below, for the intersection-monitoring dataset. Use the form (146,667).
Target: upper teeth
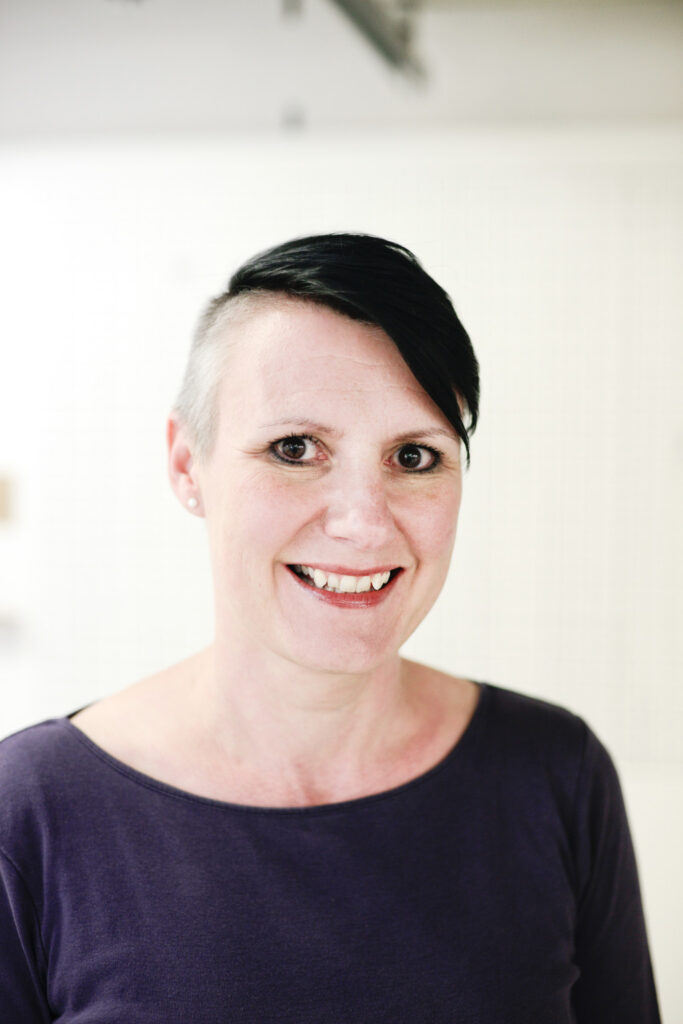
(344,584)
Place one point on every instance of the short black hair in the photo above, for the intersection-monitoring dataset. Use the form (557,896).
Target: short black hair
(377,282)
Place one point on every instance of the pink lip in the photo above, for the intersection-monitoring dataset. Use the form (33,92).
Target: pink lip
(366,600)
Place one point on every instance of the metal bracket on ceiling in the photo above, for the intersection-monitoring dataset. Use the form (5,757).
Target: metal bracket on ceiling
(391,37)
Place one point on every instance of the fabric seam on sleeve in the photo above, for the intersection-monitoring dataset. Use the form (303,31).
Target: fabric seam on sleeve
(32,903)
(575,811)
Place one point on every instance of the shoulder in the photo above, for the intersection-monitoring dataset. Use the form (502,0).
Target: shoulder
(537,726)
(544,751)
(37,768)
(549,732)
(546,745)
(32,755)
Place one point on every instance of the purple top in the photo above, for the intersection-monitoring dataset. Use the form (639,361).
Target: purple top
(499,887)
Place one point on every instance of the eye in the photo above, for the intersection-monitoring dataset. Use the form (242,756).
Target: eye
(293,449)
(417,458)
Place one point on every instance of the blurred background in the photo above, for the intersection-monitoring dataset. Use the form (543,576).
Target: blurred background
(531,154)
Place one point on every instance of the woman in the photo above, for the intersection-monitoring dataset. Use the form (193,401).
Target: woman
(298,825)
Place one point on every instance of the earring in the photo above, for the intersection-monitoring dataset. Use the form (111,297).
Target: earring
(192,502)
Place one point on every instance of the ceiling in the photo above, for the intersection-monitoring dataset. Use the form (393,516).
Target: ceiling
(93,67)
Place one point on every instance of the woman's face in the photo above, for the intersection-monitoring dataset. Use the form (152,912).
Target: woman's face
(331,464)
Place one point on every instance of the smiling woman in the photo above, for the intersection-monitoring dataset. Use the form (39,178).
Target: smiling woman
(342,502)
(298,824)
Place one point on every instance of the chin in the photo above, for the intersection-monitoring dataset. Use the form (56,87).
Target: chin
(354,659)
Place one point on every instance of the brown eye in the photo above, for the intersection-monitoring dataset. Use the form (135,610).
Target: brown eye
(410,456)
(293,447)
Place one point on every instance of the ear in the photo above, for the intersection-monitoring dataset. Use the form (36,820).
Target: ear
(181,468)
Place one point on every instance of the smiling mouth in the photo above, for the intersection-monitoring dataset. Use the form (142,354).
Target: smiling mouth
(336,583)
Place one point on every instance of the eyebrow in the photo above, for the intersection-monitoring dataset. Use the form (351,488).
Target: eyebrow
(321,428)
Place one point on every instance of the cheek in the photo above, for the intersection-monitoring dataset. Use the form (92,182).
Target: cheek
(262,513)
(434,521)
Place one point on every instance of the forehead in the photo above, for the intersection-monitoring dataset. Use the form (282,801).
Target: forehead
(286,347)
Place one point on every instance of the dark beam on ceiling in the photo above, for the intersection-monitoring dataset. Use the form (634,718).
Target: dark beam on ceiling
(390,37)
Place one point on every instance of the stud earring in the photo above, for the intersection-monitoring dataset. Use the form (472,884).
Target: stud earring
(192,502)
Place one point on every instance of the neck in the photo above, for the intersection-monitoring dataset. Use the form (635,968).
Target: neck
(307,728)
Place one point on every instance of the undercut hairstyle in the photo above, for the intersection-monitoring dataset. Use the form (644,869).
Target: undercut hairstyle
(368,279)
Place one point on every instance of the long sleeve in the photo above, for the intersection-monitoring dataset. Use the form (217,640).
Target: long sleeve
(21,955)
(616,985)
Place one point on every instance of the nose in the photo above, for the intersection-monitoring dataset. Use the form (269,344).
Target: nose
(359,511)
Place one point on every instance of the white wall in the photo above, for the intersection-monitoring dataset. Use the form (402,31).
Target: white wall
(563,256)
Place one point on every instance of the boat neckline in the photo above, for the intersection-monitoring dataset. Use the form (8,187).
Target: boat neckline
(148,781)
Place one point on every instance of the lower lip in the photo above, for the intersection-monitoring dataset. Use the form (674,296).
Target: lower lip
(368,599)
